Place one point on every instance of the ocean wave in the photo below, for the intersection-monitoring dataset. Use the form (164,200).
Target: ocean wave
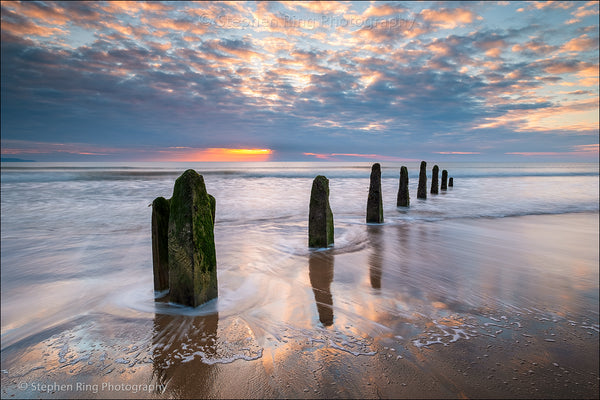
(38,172)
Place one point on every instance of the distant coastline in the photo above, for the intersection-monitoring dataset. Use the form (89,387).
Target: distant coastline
(4,159)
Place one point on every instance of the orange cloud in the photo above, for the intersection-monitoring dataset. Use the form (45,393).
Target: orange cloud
(538,5)
(579,150)
(564,67)
(456,152)
(582,12)
(134,7)
(582,43)
(274,22)
(439,47)
(534,46)
(126,30)
(577,116)
(317,155)
(591,148)
(215,154)
(448,19)
(380,10)
(29,28)
(47,15)
(15,147)
(331,156)
(319,7)
(493,48)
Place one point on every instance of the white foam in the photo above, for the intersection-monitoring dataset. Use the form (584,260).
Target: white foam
(444,335)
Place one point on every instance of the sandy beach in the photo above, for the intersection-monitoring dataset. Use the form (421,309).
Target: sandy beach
(482,308)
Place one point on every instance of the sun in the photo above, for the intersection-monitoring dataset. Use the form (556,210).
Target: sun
(219,155)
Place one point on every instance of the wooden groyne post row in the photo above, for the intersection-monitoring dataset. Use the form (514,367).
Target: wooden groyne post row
(184,227)
(183,245)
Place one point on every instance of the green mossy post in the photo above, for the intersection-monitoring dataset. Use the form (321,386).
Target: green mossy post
(403,196)
(192,255)
(160,243)
(444,180)
(451,182)
(434,179)
(320,217)
(375,201)
(422,190)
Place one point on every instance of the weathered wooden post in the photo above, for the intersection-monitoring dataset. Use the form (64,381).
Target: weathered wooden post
(444,180)
(320,217)
(451,182)
(422,189)
(160,243)
(374,201)
(403,196)
(192,255)
(434,179)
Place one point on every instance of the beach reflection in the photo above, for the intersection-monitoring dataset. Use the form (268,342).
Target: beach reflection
(177,341)
(376,256)
(320,271)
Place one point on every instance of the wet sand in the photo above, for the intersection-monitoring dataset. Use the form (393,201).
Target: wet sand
(477,308)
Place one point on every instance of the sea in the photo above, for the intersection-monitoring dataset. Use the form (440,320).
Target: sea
(507,244)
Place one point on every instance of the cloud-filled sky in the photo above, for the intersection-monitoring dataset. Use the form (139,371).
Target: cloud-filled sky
(207,81)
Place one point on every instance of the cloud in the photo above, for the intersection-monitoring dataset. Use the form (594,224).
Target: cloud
(43,13)
(581,43)
(457,152)
(578,116)
(319,7)
(448,18)
(584,150)
(384,10)
(592,148)
(15,24)
(341,156)
(14,147)
(135,7)
(534,47)
(563,5)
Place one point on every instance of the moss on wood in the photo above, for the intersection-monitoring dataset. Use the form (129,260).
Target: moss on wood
(192,255)
(320,216)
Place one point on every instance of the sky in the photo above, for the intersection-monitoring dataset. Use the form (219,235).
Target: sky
(300,81)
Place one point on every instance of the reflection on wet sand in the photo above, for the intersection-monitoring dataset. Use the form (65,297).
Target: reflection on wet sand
(320,270)
(375,258)
(181,343)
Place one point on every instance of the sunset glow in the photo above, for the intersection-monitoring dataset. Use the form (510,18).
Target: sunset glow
(217,155)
